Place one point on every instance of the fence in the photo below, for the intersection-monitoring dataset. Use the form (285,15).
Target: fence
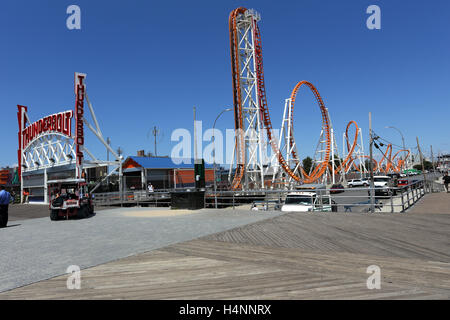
(386,199)
(129,198)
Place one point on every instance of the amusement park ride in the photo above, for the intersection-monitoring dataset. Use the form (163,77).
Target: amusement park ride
(48,147)
(254,129)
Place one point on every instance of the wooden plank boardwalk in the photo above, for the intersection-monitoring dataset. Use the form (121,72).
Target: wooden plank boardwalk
(294,256)
(433,203)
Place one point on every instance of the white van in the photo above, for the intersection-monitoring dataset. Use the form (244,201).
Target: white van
(383,186)
(381,181)
(306,201)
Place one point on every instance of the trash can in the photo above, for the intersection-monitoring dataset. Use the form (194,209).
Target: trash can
(187,200)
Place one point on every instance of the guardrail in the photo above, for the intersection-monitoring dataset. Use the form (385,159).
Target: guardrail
(128,198)
(389,199)
(392,200)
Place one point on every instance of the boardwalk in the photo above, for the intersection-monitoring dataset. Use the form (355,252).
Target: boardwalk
(433,203)
(293,256)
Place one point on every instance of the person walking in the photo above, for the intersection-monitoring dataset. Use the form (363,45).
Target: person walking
(5,200)
(446,179)
(26,194)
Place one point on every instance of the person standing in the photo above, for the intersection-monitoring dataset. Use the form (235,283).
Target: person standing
(26,194)
(446,179)
(5,199)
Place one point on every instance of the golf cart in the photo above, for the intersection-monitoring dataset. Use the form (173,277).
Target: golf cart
(69,198)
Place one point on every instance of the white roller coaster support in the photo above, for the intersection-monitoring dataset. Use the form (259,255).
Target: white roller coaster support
(253,126)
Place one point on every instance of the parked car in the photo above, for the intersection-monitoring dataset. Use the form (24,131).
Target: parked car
(383,186)
(381,181)
(383,191)
(357,183)
(393,175)
(337,188)
(403,183)
(266,205)
(308,201)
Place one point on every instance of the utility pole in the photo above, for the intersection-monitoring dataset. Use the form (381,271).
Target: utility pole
(372,186)
(195,151)
(119,151)
(432,158)
(155,132)
(195,138)
(421,160)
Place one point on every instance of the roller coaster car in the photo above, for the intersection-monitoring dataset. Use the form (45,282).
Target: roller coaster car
(69,198)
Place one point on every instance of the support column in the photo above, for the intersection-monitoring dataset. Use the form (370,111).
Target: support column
(332,155)
(121,180)
(45,186)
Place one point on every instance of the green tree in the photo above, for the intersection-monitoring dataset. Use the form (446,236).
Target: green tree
(337,162)
(367,164)
(307,164)
(427,165)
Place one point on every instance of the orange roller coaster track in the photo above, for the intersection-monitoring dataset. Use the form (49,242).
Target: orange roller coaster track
(264,109)
(391,164)
(322,167)
(390,161)
(237,98)
(349,160)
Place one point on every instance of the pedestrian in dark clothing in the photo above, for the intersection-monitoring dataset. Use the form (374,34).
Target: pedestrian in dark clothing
(446,179)
(5,199)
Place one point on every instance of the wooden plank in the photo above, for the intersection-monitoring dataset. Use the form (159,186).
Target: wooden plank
(320,256)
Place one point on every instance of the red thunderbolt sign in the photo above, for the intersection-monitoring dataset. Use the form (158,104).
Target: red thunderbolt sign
(80,90)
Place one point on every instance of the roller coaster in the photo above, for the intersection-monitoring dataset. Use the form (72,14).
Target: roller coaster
(252,118)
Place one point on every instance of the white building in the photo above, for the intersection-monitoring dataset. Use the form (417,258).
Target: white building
(443,162)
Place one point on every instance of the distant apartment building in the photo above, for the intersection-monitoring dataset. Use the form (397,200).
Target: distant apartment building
(443,162)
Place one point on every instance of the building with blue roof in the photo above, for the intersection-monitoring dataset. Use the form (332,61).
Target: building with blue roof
(162,173)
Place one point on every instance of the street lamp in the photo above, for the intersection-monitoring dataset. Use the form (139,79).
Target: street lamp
(214,154)
(108,141)
(403,142)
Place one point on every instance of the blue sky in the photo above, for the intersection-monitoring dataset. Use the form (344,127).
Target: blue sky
(149,62)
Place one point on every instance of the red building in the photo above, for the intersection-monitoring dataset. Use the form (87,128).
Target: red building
(162,173)
(5,177)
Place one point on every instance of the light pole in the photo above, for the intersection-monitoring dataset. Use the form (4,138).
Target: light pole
(108,141)
(214,155)
(403,142)
(372,186)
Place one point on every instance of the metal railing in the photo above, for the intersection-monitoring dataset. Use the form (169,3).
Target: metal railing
(130,198)
(386,199)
